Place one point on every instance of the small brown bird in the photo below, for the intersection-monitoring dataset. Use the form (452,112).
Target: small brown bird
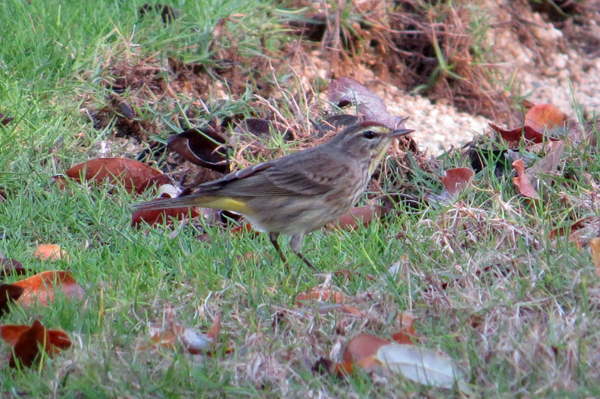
(297,193)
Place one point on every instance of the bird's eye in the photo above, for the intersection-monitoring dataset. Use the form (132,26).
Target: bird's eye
(369,134)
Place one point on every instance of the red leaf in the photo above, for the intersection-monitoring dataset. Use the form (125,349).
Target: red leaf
(159,216)
(133,175)
(457,179)
(9,267)
(28,340)
(9,293)
(515,136)
(522,181)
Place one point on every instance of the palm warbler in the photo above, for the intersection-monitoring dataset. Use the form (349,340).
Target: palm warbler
(297,193)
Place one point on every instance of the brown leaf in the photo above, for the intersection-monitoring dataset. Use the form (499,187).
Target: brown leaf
(11,267)
(407,335)
(202,147)
(362,215)
(572,229)
(43,286)
(5,120)
(595,247)
(548,164)
(545,116)
(50,252)
(362,347)
(192,341)
(457,179)
(343,91)
(160,216)
(522,181)
(133,175)
(28,340)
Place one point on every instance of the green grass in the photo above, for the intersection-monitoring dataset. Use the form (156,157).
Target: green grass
(537,301)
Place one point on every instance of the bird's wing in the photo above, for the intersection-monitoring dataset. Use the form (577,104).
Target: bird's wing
(291,175)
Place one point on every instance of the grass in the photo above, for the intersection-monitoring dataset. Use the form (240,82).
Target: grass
(519,313)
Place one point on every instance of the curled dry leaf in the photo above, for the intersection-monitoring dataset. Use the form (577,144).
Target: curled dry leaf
(43,287)
(133,175)
(193,341)
(522,181)
(457,179)
(50,252)
(203,147)
(28,341)
(362,215)
(421,365)
(322,295)
(595,247)
(343,91)
(407,334)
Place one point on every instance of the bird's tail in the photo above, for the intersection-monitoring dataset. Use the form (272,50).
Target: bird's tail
(200,200)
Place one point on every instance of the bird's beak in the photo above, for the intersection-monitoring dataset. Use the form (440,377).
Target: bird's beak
(401,132)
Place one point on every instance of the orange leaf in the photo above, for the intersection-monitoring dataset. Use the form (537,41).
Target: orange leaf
(342,370)
(50,252)
(522,181)
(10,333)
(595,246)
(457,179)
(322,295)
(361,347)
(545,116)
(133,175)
(215,329)
(42,286)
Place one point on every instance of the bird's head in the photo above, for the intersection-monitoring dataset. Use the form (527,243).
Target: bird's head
(368,141)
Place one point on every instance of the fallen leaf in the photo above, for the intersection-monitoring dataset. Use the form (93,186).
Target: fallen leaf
(43,286)
(193,341)
(457,179)
(133,175)
(362,215)
(322,295)
(421,365)
(595,247)
(8,294)
(545,116)
(203,147)
(27,342)
(11,267)
(343,91)
(361,349)
(50,252)
(159,216)
(336,122)
(5,120)
(573,228)
(515,136)
(407,334)
(548,164)
(522,181)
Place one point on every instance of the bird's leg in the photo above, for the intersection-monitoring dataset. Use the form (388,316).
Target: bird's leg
(296,245)
(273,237)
